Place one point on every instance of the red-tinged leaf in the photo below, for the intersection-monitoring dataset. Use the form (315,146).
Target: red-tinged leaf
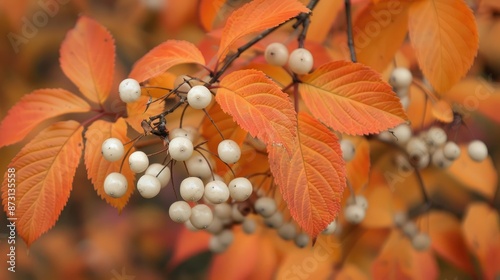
(398,260)
(98,168)
(480,177)
(137,112)
(476,95)
(88,59)
(447,239)
(259,106)
(312,178)
(228,128)
(256,16)
(239,261)
(358,169)
(35,108)
(44,172)
(165,56)
(481,227)
(188,245)
(379,31)
(445,37)
(351,98)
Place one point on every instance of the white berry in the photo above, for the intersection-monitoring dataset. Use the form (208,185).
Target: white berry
(180,148)
(287,231)
(354,213)
(477,150)
(229,151)
(348,149)
(436,136)
(249,226)
(301,240)
(223,211)
(198,166)
(400,218)
(275,220)
(216,192)
(216,246)
(112,149)
(410,229)
(240,188)
(130,90)
(115,185)
(201,216)
(179,212)
(192,189)
(451,150)
(265,206)
(416,148)
(358,200)
(236,214)
(300,61)
(148,186)
(178,132)
(226,237)
(138,161)
(439,160)
(159,171)
(216,226)
(402,133)
(421,241)
(199,97)
(400,78)
(330,228)
(276,54)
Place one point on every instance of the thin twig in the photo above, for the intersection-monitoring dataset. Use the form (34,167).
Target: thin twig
(350,36)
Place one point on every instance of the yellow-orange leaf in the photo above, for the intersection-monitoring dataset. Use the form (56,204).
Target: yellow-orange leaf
(442,111)
(312,179)
(259,106)
(256,16)
(136,112)
(208,11)
(165,56)
(98,168)
(358,169)
(351,98)
(43,176)
(445,37)
(88,59)
(481,227)
(226,125)
(379,31)
(35,108)
(480,177)
(324,15)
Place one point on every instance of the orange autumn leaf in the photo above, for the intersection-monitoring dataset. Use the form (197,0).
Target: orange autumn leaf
(225,124)
(88,59)
(189,244)
(475,95)
(238,261)
(398,260)
(137,112)
(481,227)
(358,169)
(312,178)
(44,172)
(163,57)
(379,32)
(208,12)
(35,108)
(324,16)
(382,205)
(349,272)
(351,98)
(259,106)
(442,111)
(447,239)
(445,37)
(256,16)
(98,168)
(480,177)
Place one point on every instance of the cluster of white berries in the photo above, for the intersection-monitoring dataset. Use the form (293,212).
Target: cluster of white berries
(401,79)
(355,209)
(420,241)
(300,61)
(431,146)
